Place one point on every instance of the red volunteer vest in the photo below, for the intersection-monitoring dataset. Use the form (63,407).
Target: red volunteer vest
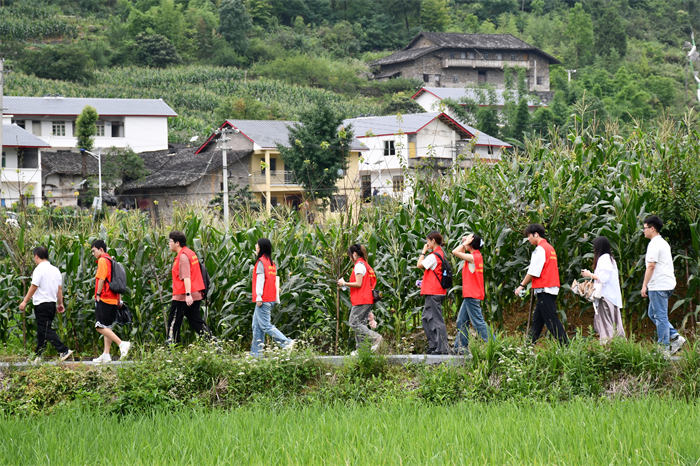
(270,287)
(473,282)
(550,272)
(196,281)
(363,294)
(431,283)
(106,292)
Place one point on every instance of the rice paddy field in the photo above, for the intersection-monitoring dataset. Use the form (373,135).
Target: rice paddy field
(649,430)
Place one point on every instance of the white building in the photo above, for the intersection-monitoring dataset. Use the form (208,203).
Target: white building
(20,173)
(430,98)
(140,124)
(400,143)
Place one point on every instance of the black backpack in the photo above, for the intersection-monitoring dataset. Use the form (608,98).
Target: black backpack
(205,276)
(117,281)
(446,279)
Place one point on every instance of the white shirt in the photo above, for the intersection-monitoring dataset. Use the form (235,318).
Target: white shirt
(659,252)
(360,269)
(430,261)
(537,261)
(609,279)
(47,279)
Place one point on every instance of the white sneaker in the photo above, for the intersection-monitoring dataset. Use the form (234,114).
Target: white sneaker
(104,357)
(66,355)
(290,346)
(677,344)
(375,346)
(354,353)
(124,348)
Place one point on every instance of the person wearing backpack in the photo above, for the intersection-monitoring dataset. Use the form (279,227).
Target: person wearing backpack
(543,272)
(106,302)
(473,292)
(436,269)
(188,289)
(362,282)
(265,295)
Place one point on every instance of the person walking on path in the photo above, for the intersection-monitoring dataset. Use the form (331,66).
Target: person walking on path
(658,285)
(361,284)
(543,272)
(46,293)
(188,285)
(607,320)
(431,288)
(265,295)
(106,302)
(473,292)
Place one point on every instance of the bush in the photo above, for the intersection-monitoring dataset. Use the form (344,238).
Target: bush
(61,62)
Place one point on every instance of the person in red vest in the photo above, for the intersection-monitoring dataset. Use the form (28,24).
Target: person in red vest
(472,291)
(106,302)
(361,284)
(265,296)
(431,288)
(543,272)
(188,285)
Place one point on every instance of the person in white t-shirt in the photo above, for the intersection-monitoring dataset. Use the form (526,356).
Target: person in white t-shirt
(659,282)
(607,320)
(45,292)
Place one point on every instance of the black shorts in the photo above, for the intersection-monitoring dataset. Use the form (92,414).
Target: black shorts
(105,314)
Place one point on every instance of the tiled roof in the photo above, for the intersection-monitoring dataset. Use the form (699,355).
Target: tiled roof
(14,136)
(71,106)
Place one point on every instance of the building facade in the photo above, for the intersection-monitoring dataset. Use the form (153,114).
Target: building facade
(20,171)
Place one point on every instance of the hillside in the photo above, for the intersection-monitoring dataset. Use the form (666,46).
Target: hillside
(211,59)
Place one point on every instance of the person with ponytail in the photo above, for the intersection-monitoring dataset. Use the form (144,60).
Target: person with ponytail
(473,292)
(361,284)
(607,320)
(265,296)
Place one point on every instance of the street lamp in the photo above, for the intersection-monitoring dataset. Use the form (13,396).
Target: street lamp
(98,157)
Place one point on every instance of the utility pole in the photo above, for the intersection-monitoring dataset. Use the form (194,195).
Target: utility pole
(224,146)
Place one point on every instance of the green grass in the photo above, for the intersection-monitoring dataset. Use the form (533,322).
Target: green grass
(640,431)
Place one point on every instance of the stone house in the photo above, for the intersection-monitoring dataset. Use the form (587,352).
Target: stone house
(442,59)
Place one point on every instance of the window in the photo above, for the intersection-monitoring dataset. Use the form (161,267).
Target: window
(36,127)
(366,187)
(273,166)
(463,55)
(19,123)
(482,77)
(455,78)
(389,148)
(397,183)
(486,56)
(470,55)
(3,159)
(513,57)
(540,80)
(28,158)
(58,128)
(338,203)
(426,78)
(100,129)
(117,129)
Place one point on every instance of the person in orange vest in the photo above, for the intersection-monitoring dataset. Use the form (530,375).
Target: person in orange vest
(431,288)
(543,272)
(473,292)
(188,285)
(361,284)
(265,296)
(106,302)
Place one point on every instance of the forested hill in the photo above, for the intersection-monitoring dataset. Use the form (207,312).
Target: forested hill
(628,54)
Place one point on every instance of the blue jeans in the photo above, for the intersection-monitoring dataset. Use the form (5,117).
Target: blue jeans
(658,313)
(470,311)
(262,326)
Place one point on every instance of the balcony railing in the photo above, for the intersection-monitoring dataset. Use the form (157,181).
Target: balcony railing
(277,178)
(473,63)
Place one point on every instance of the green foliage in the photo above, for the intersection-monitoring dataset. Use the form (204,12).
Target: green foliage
(122,166)
(234,23)
(434,15)
(86,128)
(487,121)
(580,34)
(318,151)
(154,50)
(64,62)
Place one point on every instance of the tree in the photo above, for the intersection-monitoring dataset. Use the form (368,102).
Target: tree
(63,62)
(487,121)
(235,24)
(122,166)
(434,15)
(579,31)
(522,120)
(86,127)
(542,119)
(610,33)
(317,152)
(155,50)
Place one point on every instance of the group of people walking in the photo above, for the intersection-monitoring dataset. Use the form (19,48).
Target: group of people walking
(188,291)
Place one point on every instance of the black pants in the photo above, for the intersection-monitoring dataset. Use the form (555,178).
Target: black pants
(546,314)
(434,325)
(179,310)
(44,314)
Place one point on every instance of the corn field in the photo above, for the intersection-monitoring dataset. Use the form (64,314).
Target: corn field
(19,22)
(579,188)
